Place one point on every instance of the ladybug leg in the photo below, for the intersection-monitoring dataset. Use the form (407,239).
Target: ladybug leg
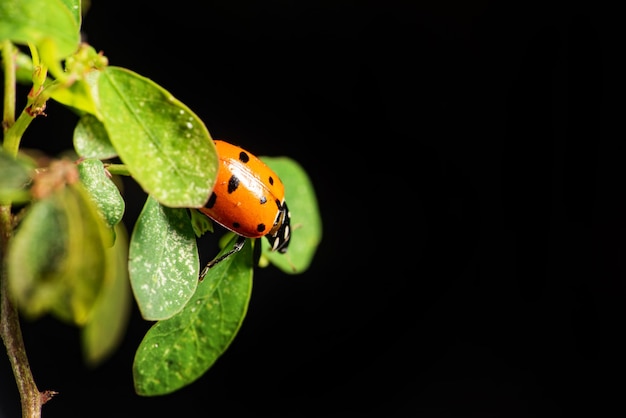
(241,240)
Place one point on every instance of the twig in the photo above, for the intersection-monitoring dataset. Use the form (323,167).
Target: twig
(11,333)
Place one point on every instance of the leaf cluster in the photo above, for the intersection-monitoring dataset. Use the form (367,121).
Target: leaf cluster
(68,252)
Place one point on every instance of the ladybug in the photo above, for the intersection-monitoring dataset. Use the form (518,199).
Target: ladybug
(248,199)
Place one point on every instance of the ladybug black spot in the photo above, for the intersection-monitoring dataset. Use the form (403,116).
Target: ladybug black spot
(233,183)
(236,225)
(260,227)
(263,200)
(211,201)
(271,180)
(278,204)
(243,157)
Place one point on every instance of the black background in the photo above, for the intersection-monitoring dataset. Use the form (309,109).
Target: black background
(468,161)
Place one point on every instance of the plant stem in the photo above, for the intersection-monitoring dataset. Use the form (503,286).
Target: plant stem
(13,135)
(8,61)
(11,334)
(119,169)
(10,331)
(13,130)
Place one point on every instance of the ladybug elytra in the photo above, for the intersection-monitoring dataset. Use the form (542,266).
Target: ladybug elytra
(248,199)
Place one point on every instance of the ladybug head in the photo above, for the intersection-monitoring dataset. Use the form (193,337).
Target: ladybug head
(281,232)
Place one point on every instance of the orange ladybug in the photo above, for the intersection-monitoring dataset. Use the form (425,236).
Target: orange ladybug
(249,199)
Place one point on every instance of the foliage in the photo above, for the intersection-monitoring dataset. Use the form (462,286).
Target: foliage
(67,252)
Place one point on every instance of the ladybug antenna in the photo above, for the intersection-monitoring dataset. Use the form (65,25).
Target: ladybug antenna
(241,240)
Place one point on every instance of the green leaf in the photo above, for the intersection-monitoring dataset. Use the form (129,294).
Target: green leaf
(15,177)
(80,95)
(165,146)
(91,139)
(102,190)
(108,322)
(200,222)
(53,23)
(177,351)
(74,6)
(164,264)
(56,260)
(306,222)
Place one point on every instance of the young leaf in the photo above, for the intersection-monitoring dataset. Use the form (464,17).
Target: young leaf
(177,351)
(103,191)
(105,329)
(55,22)
(165,146)
(78,96)
(306,222)
(56,260)
(91,139)
(163,264)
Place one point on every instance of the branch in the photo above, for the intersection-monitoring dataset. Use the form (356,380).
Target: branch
(11,333)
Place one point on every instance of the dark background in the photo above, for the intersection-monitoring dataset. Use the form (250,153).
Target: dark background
(468,161)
